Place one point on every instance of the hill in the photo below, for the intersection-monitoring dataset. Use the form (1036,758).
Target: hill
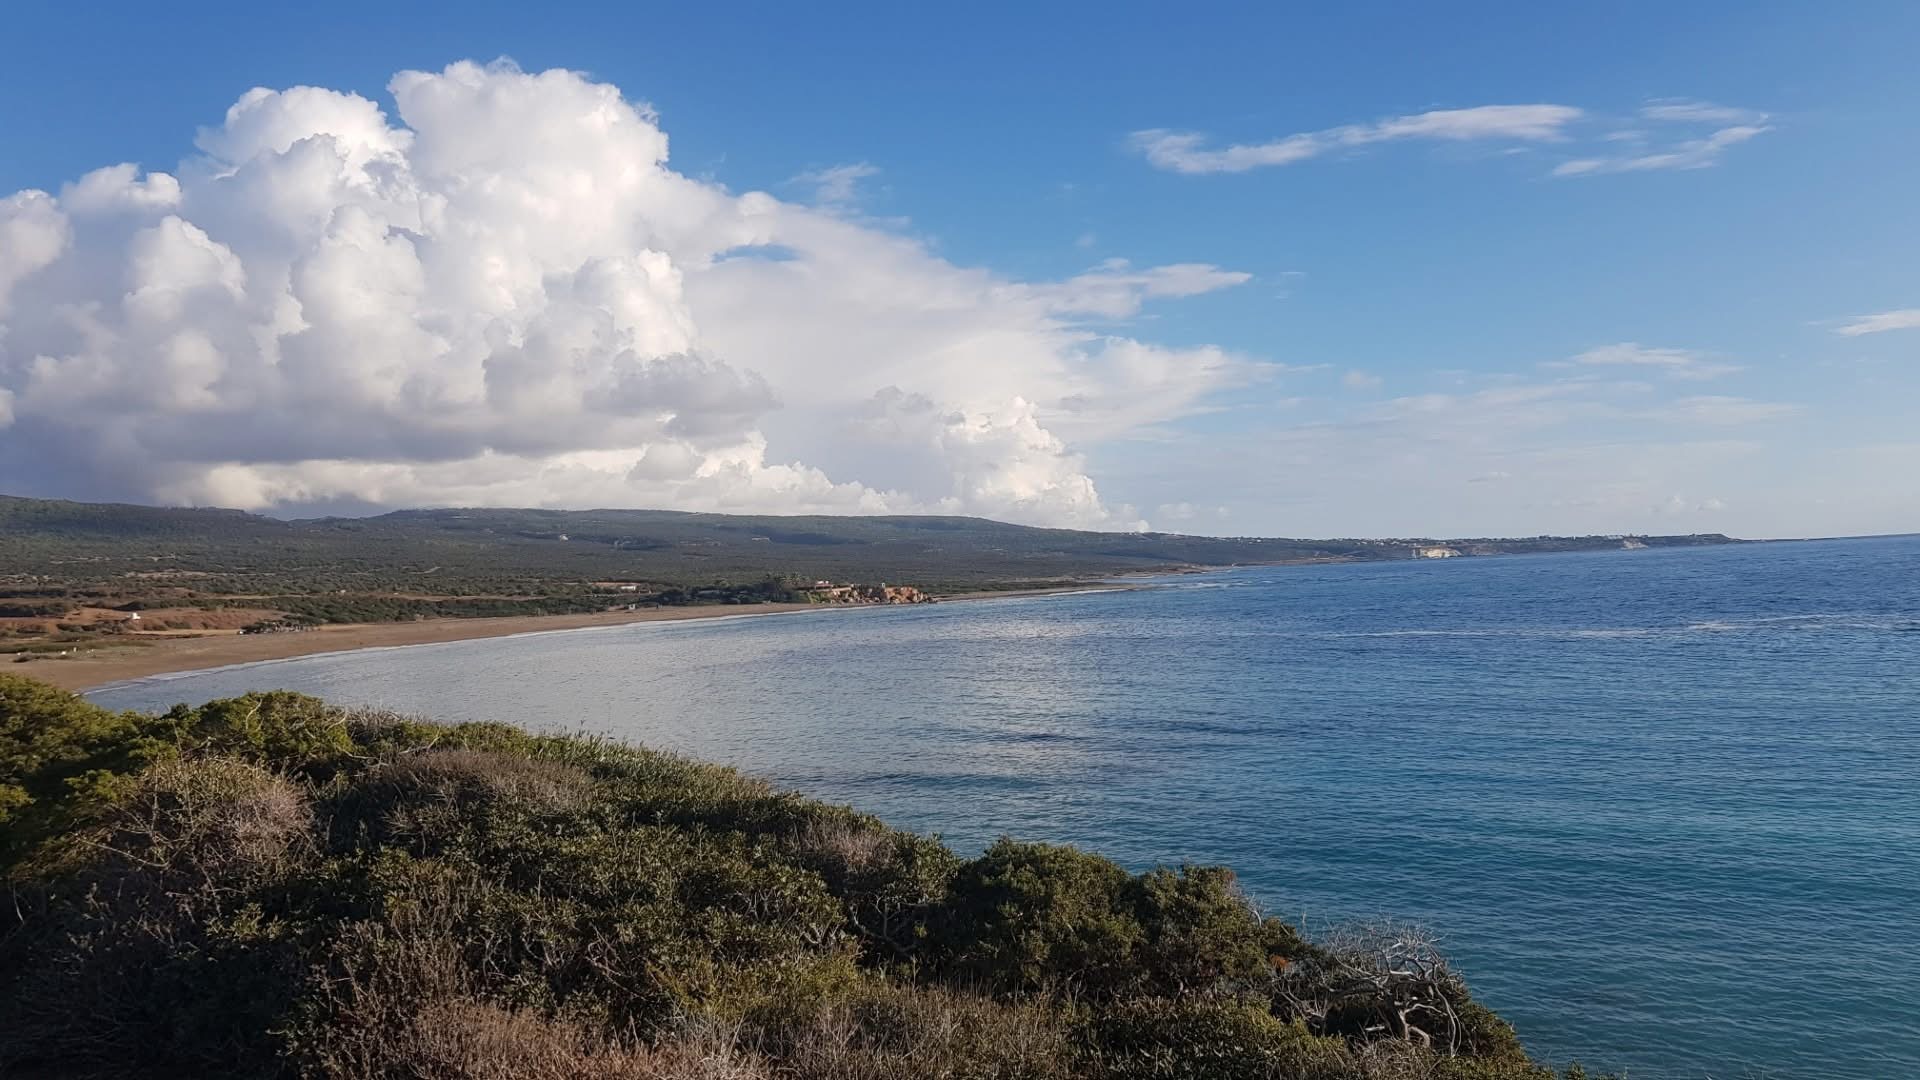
(444,551)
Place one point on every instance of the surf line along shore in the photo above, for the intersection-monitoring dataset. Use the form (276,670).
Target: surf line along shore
(171,655)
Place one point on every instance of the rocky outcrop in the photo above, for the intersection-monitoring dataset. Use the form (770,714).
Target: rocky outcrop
(865,594)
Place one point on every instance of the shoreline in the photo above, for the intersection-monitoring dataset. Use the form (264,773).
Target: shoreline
(112,665)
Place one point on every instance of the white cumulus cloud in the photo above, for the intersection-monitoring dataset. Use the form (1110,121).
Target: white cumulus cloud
(502,294)
(33,233)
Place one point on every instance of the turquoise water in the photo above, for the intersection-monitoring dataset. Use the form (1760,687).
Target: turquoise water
(1663,807)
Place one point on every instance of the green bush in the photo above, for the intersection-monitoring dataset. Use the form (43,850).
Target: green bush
(1037,917)
(60,756)
(151,950)
(1033,917)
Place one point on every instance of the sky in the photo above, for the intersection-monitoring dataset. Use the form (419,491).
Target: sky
(1334,270)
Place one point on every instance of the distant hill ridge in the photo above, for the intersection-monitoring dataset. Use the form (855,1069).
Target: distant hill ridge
(42,536)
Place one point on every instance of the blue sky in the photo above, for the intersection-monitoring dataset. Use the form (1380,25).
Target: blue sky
(1439,329)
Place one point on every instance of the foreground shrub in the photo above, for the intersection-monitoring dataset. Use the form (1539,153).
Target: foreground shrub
(893,885)
(462,1039)
(883,1030)
(1374,982)
(426,801)
(1203,1039)
(269,886)
(55,749)
(151,948)
(1036,917)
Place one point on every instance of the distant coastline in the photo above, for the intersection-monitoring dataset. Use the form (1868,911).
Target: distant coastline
(112,664)
(92,594)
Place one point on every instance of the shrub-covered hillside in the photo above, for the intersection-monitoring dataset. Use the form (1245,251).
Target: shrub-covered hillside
(272,886)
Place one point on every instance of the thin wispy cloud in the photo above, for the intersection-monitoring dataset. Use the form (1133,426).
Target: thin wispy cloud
(1903,319)
(1681,110)
(837,185)
(1647,153)
(1574,449)
(1566,402)
(1721,411)
(1117,289)
(1188,151)
(1701,153)
(1628,148)
(1674,363)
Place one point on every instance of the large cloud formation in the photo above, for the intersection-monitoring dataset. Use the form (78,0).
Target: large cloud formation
(507,297)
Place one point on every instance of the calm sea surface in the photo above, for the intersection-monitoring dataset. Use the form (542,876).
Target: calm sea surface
(1663,807)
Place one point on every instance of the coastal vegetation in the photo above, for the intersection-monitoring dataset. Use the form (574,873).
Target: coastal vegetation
(269,885)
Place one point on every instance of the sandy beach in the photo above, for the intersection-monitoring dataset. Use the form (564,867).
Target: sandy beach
(165,655)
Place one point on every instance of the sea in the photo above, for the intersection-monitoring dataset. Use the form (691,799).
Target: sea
(1661,807)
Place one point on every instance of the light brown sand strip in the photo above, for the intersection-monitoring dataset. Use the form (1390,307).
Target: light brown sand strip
(167,655)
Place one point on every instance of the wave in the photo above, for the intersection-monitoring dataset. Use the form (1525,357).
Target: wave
(1867,621)
(1854,622)
(1494,632)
